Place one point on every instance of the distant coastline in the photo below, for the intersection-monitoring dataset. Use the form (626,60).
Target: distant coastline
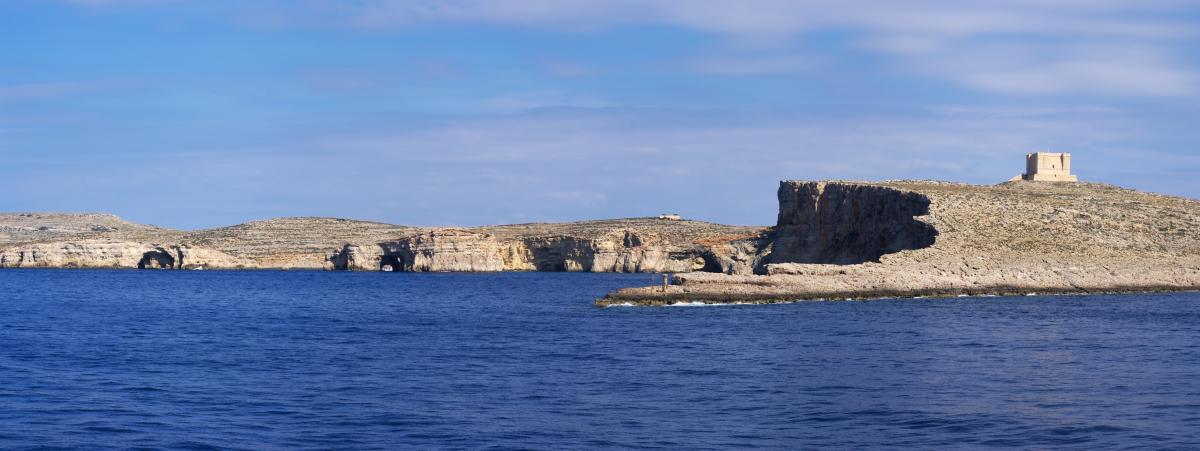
(650,245)
(832,240)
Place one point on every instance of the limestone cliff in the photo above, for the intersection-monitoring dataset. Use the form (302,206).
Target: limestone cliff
(636,245)
(624,245)
(837,240)
(445,250)
(113,254)
(841,223)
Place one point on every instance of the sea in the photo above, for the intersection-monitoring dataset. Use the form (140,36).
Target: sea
(120,359)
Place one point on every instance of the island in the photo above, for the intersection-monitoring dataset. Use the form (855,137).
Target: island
(1040,232)
(859,240)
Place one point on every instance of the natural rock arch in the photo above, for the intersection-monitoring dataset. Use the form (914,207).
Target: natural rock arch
(158,258)
(394,261)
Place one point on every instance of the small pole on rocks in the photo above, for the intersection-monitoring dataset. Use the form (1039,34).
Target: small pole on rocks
(666,280)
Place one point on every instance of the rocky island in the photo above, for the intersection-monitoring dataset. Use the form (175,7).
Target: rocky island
(854,240)
(1042,232)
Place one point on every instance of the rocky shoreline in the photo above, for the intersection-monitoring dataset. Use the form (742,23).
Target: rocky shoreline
(673,297)
(49,240)
(831,240)
(861,240)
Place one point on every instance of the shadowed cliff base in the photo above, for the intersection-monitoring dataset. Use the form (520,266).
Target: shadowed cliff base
(845,224)
(156,259)
(628,245)
(1013,238)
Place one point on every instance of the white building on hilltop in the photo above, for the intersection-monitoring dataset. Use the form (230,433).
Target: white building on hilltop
(1048,167)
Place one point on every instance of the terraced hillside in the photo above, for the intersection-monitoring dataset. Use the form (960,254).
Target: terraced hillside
(303,242)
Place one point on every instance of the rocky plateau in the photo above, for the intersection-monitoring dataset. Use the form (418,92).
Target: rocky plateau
(857,240)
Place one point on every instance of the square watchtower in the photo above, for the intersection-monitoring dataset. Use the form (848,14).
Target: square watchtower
(1049,167)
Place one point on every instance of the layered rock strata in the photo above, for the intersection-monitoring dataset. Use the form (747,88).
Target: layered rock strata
(627,245)
(853,240)
(113,254)
(637,245)
(842,223)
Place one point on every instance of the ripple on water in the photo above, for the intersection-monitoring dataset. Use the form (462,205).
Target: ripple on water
(313,360)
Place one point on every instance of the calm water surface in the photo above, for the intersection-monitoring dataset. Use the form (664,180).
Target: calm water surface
(292,360)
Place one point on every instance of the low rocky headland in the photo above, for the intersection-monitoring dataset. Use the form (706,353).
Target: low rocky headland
(856,240)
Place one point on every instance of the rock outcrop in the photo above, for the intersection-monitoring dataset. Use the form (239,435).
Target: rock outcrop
(298,243)
(1013,238)
(840,223)
(625,245)
(446,250)
(113,254)
(637,245)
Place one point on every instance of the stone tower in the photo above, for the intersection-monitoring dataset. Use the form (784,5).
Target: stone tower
(1048,167)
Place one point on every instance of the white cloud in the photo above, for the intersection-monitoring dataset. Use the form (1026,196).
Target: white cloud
(933,17)
(614,144)
(597,163)
(1142,71)
(755,65)
(942,39)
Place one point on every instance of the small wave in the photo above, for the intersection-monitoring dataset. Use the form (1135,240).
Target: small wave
(692,304)
(708,304)
(143,389)
(193,445)
(109,429)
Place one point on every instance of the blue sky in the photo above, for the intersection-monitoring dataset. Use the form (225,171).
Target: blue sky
(196,114)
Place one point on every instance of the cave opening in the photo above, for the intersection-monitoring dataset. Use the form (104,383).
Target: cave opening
(711,264)
(156,259)
(391,263)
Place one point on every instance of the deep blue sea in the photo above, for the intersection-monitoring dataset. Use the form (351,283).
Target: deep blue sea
(96,359)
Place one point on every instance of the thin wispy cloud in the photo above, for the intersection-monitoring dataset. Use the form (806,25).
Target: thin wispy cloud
(33,91)
(1120,47)
(755,65)
(474,111)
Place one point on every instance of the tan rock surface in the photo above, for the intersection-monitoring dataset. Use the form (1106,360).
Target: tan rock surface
(628,245)
(299,243)
(621,245)
(1014,238)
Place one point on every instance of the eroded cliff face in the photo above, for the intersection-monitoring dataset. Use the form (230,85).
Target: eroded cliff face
(847,223)
(618,250)
(114,254)
(617,245)
(445,250)
(1015,238)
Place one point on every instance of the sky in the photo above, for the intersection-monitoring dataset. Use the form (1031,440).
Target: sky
(205,113)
